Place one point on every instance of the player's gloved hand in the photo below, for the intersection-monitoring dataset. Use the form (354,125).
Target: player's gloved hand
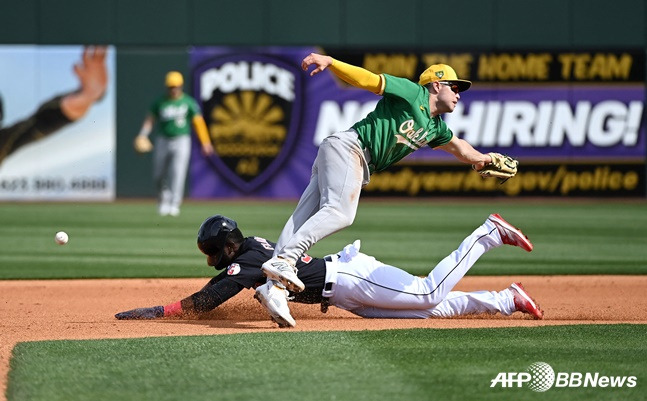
(142,144)
(502,167)
(141,313)
(350,251)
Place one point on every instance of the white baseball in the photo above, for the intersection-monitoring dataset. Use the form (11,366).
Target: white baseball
(61,238)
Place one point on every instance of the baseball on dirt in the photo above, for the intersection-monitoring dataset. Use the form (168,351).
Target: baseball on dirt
(61,238)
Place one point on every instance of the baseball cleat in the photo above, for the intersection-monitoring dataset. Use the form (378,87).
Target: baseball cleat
(163,210)
(278,269)
(509,234)
(275,300)
(524,303)
(174,211)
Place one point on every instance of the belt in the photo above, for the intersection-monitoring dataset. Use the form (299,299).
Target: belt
(325,304)
(325,301)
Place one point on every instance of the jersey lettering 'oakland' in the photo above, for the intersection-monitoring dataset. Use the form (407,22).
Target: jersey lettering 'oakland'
(416,138)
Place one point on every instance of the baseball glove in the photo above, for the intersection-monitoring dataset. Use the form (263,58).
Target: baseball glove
(502,167)
(142,144)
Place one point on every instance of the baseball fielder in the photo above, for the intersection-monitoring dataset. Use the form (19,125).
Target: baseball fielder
(174,112)
(350,279)
(404,120)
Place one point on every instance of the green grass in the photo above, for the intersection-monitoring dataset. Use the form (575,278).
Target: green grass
(371,365)
(128,239)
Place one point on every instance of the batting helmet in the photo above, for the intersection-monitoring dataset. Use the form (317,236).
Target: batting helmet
(213,234)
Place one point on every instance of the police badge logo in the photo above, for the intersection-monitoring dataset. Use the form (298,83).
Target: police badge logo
(252,106)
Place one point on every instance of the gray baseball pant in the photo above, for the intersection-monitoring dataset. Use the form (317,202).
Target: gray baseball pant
(329,202)
(170,164)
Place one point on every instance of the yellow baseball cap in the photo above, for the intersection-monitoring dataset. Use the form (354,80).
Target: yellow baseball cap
(445,73)
(174,78)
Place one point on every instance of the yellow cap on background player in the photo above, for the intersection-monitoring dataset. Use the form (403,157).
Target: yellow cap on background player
(445,73)
(174,78)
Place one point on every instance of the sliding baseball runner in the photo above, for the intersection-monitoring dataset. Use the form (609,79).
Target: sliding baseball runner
(350,279)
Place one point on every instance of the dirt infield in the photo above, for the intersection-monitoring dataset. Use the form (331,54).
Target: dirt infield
(84,309)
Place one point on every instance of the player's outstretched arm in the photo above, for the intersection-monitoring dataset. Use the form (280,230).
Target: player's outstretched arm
(353,75)
(208,298)
(320,61)
(465,153)
(154,312)
(93,80)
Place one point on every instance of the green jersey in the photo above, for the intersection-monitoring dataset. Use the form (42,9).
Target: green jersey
(174,116)
(400,124)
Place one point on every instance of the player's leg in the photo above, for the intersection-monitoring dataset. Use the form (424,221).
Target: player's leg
(180,153)
(160,172)
(366,282)
(308,205)
(513,299)
(328,205)
(283,271)
(340,166)
(363,281)
(494,232)
(456,303)
(442,279)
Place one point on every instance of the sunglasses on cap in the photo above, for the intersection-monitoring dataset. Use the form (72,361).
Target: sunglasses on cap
(453,87)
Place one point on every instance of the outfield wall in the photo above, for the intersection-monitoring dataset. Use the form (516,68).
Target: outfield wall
(151,37)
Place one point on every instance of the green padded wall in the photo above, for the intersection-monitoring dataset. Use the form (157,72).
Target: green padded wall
(153,36)
(140,80)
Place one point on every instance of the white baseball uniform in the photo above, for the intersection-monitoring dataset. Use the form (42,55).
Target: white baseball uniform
(369,288)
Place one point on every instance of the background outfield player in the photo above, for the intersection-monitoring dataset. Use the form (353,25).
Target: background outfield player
(174,112)
(405,119)
(61,110)
(349,280)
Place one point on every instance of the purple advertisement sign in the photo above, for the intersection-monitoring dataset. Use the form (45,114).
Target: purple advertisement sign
(567,121)
(266,117)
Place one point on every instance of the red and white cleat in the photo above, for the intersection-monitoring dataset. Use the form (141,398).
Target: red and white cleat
(524,303)
(510,234)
